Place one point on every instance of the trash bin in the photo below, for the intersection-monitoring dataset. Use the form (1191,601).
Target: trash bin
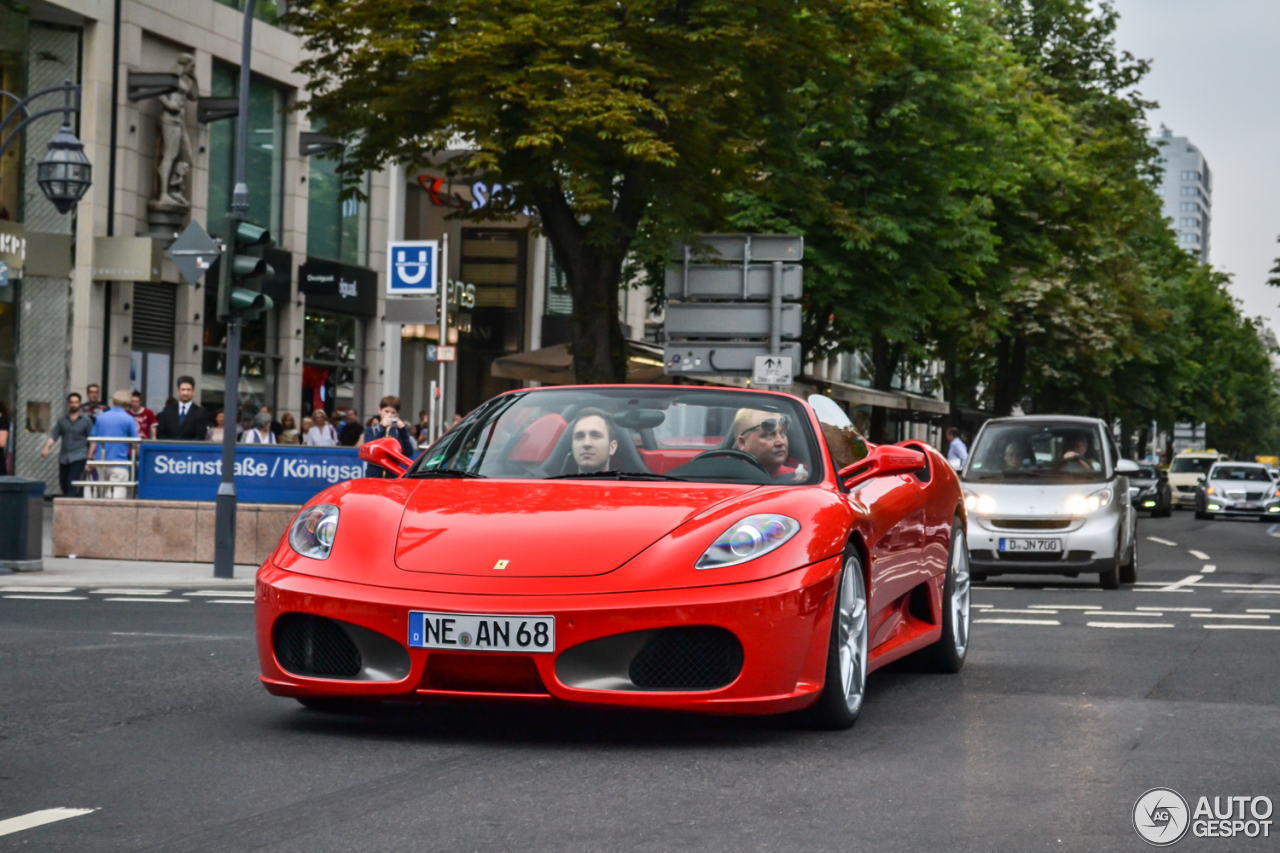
(21,524)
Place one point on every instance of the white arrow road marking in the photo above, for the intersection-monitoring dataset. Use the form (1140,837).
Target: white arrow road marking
(1129,624)
(1162,541)
(1187,581)
(1020,621)
(1199,555)
(1209,568)
(40,818)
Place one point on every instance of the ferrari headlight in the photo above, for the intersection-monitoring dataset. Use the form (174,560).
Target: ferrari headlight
(1077,505)
(313,531)
(753,536)
(981,504)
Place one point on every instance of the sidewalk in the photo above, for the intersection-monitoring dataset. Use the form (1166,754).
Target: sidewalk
(67,571)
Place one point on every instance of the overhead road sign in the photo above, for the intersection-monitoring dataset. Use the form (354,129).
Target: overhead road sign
(713,281)
(752,248)
(194,252)
(412,267)
(729,320)
(723,358)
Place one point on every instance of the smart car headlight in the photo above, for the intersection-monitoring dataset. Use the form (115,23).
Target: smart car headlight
(313,531)
(981,504)
(1078,505)
(753,536)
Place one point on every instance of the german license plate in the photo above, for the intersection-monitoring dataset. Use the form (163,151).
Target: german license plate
(1034,545)
(1247,505)
(481,633)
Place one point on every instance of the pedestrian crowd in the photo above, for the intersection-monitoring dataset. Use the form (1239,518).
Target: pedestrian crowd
(89,419)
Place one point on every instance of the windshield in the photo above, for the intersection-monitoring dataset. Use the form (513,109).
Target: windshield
(676,433)
(1241,473)
(1192,465)
(1037,451)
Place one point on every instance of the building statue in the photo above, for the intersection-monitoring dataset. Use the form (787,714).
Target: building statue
(175,142)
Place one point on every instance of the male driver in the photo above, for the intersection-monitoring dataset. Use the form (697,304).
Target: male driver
(593,441)
(145,417)
(764,436)
(957,452)
(73,429)
(115,423)
(184,420)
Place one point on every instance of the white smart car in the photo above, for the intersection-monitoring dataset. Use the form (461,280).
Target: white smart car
(1050,495)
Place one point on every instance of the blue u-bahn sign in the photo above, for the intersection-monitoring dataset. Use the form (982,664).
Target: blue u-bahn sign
(265,473)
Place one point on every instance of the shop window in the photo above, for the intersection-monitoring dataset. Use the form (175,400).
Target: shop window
(259,364)
(265,164)
(337,227)
(332,368)
(13,49)
(151,359)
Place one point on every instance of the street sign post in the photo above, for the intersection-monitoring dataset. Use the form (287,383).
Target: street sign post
(412,267)
(194,252)
(736,311)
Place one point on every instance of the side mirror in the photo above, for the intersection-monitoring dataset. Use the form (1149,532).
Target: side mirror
(1127,466)
(385,453)
(1200,480)
(882,461)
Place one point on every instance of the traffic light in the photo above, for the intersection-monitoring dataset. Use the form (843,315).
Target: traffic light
(240,284)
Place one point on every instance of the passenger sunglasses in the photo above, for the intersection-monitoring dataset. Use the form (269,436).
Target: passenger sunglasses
(769,426)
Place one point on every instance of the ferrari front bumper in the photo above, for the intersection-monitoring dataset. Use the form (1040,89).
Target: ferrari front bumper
(781,625)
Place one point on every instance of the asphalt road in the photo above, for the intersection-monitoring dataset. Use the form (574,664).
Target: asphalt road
(149,713)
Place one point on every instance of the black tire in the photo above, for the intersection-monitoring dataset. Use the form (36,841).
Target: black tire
(832,710)
(1129,571)
(1202,516)
(949,653)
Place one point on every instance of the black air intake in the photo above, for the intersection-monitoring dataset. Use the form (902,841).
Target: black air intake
(314,646)
(697,658)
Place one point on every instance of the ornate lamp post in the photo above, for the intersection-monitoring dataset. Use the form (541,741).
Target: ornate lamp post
(64,173)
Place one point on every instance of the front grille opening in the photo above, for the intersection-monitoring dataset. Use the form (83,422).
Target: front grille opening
(1031,523)
(695,658)
(314,646)
(482,672)
(1033,556)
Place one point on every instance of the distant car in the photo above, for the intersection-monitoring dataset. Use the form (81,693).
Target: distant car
(1049,495)
(1186,471)
(1149,490)
(1238,488)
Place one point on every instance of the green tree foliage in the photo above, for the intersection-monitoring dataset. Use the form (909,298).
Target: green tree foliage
(597,114)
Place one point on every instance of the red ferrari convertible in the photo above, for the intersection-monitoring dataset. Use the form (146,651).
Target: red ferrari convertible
(673,547)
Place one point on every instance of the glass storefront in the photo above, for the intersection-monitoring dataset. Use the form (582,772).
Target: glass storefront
(259,362)
(265,165)
(337,228)
(332,372)
(13,47)
(493,259)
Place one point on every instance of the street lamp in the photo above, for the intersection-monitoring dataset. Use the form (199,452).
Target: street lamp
(64,173)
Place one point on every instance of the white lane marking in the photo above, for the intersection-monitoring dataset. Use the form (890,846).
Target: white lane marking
(50,597)
(129,591)
(1002,588)
(1187,581)
(1217,584)
(1166,589)
(230,601)
(1129,624)
(1229,616)
(37,589)
(982,606)
(222,593)
(151,600)
(1162,541)
(1180,609)
(40,818)
(1253,610)
(1209,568)
(1065,606)
(1228,626)
(1126,613)
(1252,591)
(1024,612)
(1020,621)
(1199,555)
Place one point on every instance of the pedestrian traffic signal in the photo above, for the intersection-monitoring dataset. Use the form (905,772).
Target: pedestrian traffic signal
(240,287)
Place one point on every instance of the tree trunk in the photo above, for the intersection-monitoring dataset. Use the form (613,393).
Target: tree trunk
(1011,366)
(1144,440)
(884,364)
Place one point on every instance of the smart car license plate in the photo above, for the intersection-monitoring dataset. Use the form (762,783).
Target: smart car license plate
(1035,545)
(477,632)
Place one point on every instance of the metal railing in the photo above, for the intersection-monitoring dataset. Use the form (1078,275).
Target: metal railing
(104,488)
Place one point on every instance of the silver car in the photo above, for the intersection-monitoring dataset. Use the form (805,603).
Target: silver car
(1050,495)
(1238,488)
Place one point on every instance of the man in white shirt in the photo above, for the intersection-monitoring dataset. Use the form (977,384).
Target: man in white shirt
(957,452)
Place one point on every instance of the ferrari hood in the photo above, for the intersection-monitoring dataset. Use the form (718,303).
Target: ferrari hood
(522,528)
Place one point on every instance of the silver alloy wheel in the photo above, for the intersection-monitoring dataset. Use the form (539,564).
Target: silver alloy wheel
(852,613)
(960,610)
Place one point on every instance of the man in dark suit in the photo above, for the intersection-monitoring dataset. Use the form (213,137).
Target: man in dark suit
(184,420)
